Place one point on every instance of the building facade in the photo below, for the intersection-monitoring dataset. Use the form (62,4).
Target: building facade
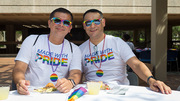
(20,18)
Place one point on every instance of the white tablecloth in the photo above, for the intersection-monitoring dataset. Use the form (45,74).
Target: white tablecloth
(134,93)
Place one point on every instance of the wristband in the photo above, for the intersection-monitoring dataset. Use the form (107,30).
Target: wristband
(149,78)
(73,83)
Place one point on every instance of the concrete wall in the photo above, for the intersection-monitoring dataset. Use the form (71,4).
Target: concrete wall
(174,6)
(76,6)
(79,6)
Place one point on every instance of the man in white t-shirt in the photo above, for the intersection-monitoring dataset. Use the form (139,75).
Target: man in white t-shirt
(126,38)
(49,58)
(104,57)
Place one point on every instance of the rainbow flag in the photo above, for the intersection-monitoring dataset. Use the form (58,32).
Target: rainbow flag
(77,93)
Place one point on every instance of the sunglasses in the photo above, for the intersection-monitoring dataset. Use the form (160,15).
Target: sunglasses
(95,21)
(58,21)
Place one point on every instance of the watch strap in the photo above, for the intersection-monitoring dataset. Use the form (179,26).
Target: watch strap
(149,78)
(73,83)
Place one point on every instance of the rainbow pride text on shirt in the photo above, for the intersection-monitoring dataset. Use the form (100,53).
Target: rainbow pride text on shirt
(103,57)
(53,61)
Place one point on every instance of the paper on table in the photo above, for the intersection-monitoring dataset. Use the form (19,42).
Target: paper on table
(118,90)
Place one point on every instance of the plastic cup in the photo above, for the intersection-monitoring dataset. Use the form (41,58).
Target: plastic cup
(93,87)
(4,91)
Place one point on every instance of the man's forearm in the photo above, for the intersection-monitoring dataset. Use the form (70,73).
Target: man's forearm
(143,72)
(139,68)
(18,75)
(75,75)
(19,71)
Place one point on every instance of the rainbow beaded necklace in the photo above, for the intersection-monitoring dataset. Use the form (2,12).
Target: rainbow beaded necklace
(54,76)
(99,72)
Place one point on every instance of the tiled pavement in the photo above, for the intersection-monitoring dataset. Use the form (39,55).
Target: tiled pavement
(7,64)
(6,68)
(6,74)
(173,80)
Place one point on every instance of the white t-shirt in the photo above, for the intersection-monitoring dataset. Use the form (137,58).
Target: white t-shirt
(116,53)
(38,59)
(131,45)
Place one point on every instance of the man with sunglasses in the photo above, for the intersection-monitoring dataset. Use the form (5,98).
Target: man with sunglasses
(51,59)
(104,57)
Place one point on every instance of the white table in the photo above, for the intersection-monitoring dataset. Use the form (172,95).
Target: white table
(134,93)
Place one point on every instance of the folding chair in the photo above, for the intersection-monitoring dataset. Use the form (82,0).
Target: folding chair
(145,56)
(172,56)
(133,78)
(178,89)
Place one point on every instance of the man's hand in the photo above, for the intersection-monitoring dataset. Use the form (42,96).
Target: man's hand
(64,85)
(22,87)
(159,86)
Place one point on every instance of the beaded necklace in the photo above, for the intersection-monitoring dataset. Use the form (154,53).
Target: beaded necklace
(99,72)
(54,76)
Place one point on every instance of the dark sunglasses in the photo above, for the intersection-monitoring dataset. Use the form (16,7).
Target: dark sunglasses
(95,21)
(58,21)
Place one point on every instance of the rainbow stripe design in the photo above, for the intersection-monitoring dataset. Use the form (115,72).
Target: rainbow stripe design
(77,93)
(53,77)
(101,58)
(55,61)
(99,73)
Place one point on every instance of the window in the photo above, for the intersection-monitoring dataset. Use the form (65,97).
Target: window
(18,38)
(2,39)
(115,33)
(141,36)
(119,33)
(176,37)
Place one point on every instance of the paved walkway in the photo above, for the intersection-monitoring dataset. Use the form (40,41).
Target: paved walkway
(6,74)
(7,65)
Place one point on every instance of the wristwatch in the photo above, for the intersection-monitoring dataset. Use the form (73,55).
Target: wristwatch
(73,83)
(149,78)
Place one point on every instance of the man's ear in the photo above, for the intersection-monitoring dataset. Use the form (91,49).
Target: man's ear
(70,28)
(49,22)
(84,25)
(104,22)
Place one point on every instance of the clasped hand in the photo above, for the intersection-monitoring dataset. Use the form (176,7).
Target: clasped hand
(63,85)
